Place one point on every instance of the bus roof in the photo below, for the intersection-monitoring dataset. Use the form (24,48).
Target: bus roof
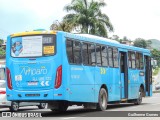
(99,38)
(32,33)
(84,37)
(102,40)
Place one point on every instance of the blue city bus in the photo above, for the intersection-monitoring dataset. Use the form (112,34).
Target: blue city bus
(64,69)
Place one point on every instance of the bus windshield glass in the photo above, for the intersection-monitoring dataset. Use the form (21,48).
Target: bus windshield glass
(33,46)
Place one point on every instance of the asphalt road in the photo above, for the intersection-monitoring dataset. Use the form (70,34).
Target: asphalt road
(78,113)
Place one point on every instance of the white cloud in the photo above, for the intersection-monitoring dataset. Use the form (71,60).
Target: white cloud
(136,18)
(131,18)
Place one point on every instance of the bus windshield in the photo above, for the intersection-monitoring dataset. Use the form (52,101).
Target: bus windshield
(33,46)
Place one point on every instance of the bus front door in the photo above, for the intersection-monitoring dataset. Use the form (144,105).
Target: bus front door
(148,75)
(124,75)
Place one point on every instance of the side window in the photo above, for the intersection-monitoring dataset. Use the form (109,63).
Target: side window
(88,53)
(104,56)
(141,61)
(91,54)
(69,47)
(74,52)
(129,60)
(77,52)
(137,61)
(133,60)
(85,54)
(98,55)
(115,57)
(110,56)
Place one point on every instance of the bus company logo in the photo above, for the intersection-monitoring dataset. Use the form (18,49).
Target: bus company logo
(33,71)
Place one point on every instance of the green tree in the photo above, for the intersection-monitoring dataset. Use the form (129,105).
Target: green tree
(155,54)
(2,49)
(1,41)
(62,26)
(149,42)
(115,37)
(140,42)
(87,15)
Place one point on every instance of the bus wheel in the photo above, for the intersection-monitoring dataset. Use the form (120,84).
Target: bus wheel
(102,100)
(42,106)
(14,106)
(139,99)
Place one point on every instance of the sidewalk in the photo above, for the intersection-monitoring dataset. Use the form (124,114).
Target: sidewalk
(155,81)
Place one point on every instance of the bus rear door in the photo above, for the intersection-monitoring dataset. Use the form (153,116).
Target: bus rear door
(124,75)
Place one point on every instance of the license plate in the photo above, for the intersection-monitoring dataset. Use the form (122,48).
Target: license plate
(32,83)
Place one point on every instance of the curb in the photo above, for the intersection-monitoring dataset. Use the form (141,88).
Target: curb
(158,91)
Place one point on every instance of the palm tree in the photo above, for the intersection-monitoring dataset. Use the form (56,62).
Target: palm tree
(62,26)
(87,15)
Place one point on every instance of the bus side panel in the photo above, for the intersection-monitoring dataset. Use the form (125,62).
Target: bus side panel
(111,78)
(60,93)
(81,83)
(9,92)
(114,90)
(133,86)
(78,79)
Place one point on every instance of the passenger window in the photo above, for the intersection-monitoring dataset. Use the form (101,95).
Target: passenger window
(74,52)
(110,57)
(133,60)
(115,57)
(88,51)
(85,54)
(104,56)
(77,52)
(141,61)
(98,55)
(69,48)
(129,60)
(91,52)
(137,61)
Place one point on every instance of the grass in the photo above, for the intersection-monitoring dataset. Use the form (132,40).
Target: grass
(156,71)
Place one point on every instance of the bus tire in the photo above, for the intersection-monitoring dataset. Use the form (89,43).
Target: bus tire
(42,106)
(14,106)
(102,100)
(139,99)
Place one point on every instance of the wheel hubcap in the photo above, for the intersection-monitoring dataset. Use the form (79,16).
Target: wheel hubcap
(140,97)
(103,102)
(15,107)
(43,104)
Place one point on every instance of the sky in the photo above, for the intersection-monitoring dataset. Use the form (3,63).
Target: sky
(131,18)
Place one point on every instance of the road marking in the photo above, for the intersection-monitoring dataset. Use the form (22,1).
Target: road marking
(68,118)
(155,104)
(134,107)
